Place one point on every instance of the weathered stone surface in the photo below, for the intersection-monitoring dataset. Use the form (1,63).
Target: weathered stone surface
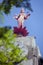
(28,62)
(28,44)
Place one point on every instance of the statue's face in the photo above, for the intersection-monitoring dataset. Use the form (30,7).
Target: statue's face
(22,10)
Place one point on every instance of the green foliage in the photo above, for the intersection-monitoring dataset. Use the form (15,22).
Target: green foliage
(3,30)
(9,52)
(7,4)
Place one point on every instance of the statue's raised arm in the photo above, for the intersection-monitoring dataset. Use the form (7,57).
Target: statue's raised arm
(25,17)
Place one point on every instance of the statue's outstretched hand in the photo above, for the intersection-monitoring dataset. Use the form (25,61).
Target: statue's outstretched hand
(28,15)
(16,17)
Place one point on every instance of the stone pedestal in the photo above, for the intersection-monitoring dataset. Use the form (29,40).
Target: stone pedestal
(30,50)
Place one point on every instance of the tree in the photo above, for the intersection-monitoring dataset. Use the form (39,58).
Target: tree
(6,5)
(10,54)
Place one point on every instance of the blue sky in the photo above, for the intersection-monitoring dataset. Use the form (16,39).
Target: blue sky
(34,24)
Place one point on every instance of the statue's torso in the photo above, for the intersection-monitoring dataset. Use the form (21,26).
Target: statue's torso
(21,18)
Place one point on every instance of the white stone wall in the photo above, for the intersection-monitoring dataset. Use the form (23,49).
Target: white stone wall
(28,44)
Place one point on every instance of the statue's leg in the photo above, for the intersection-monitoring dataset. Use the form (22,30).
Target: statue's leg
(19,24)
(22,24)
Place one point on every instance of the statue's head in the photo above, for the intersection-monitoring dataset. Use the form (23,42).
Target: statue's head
(22,10)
